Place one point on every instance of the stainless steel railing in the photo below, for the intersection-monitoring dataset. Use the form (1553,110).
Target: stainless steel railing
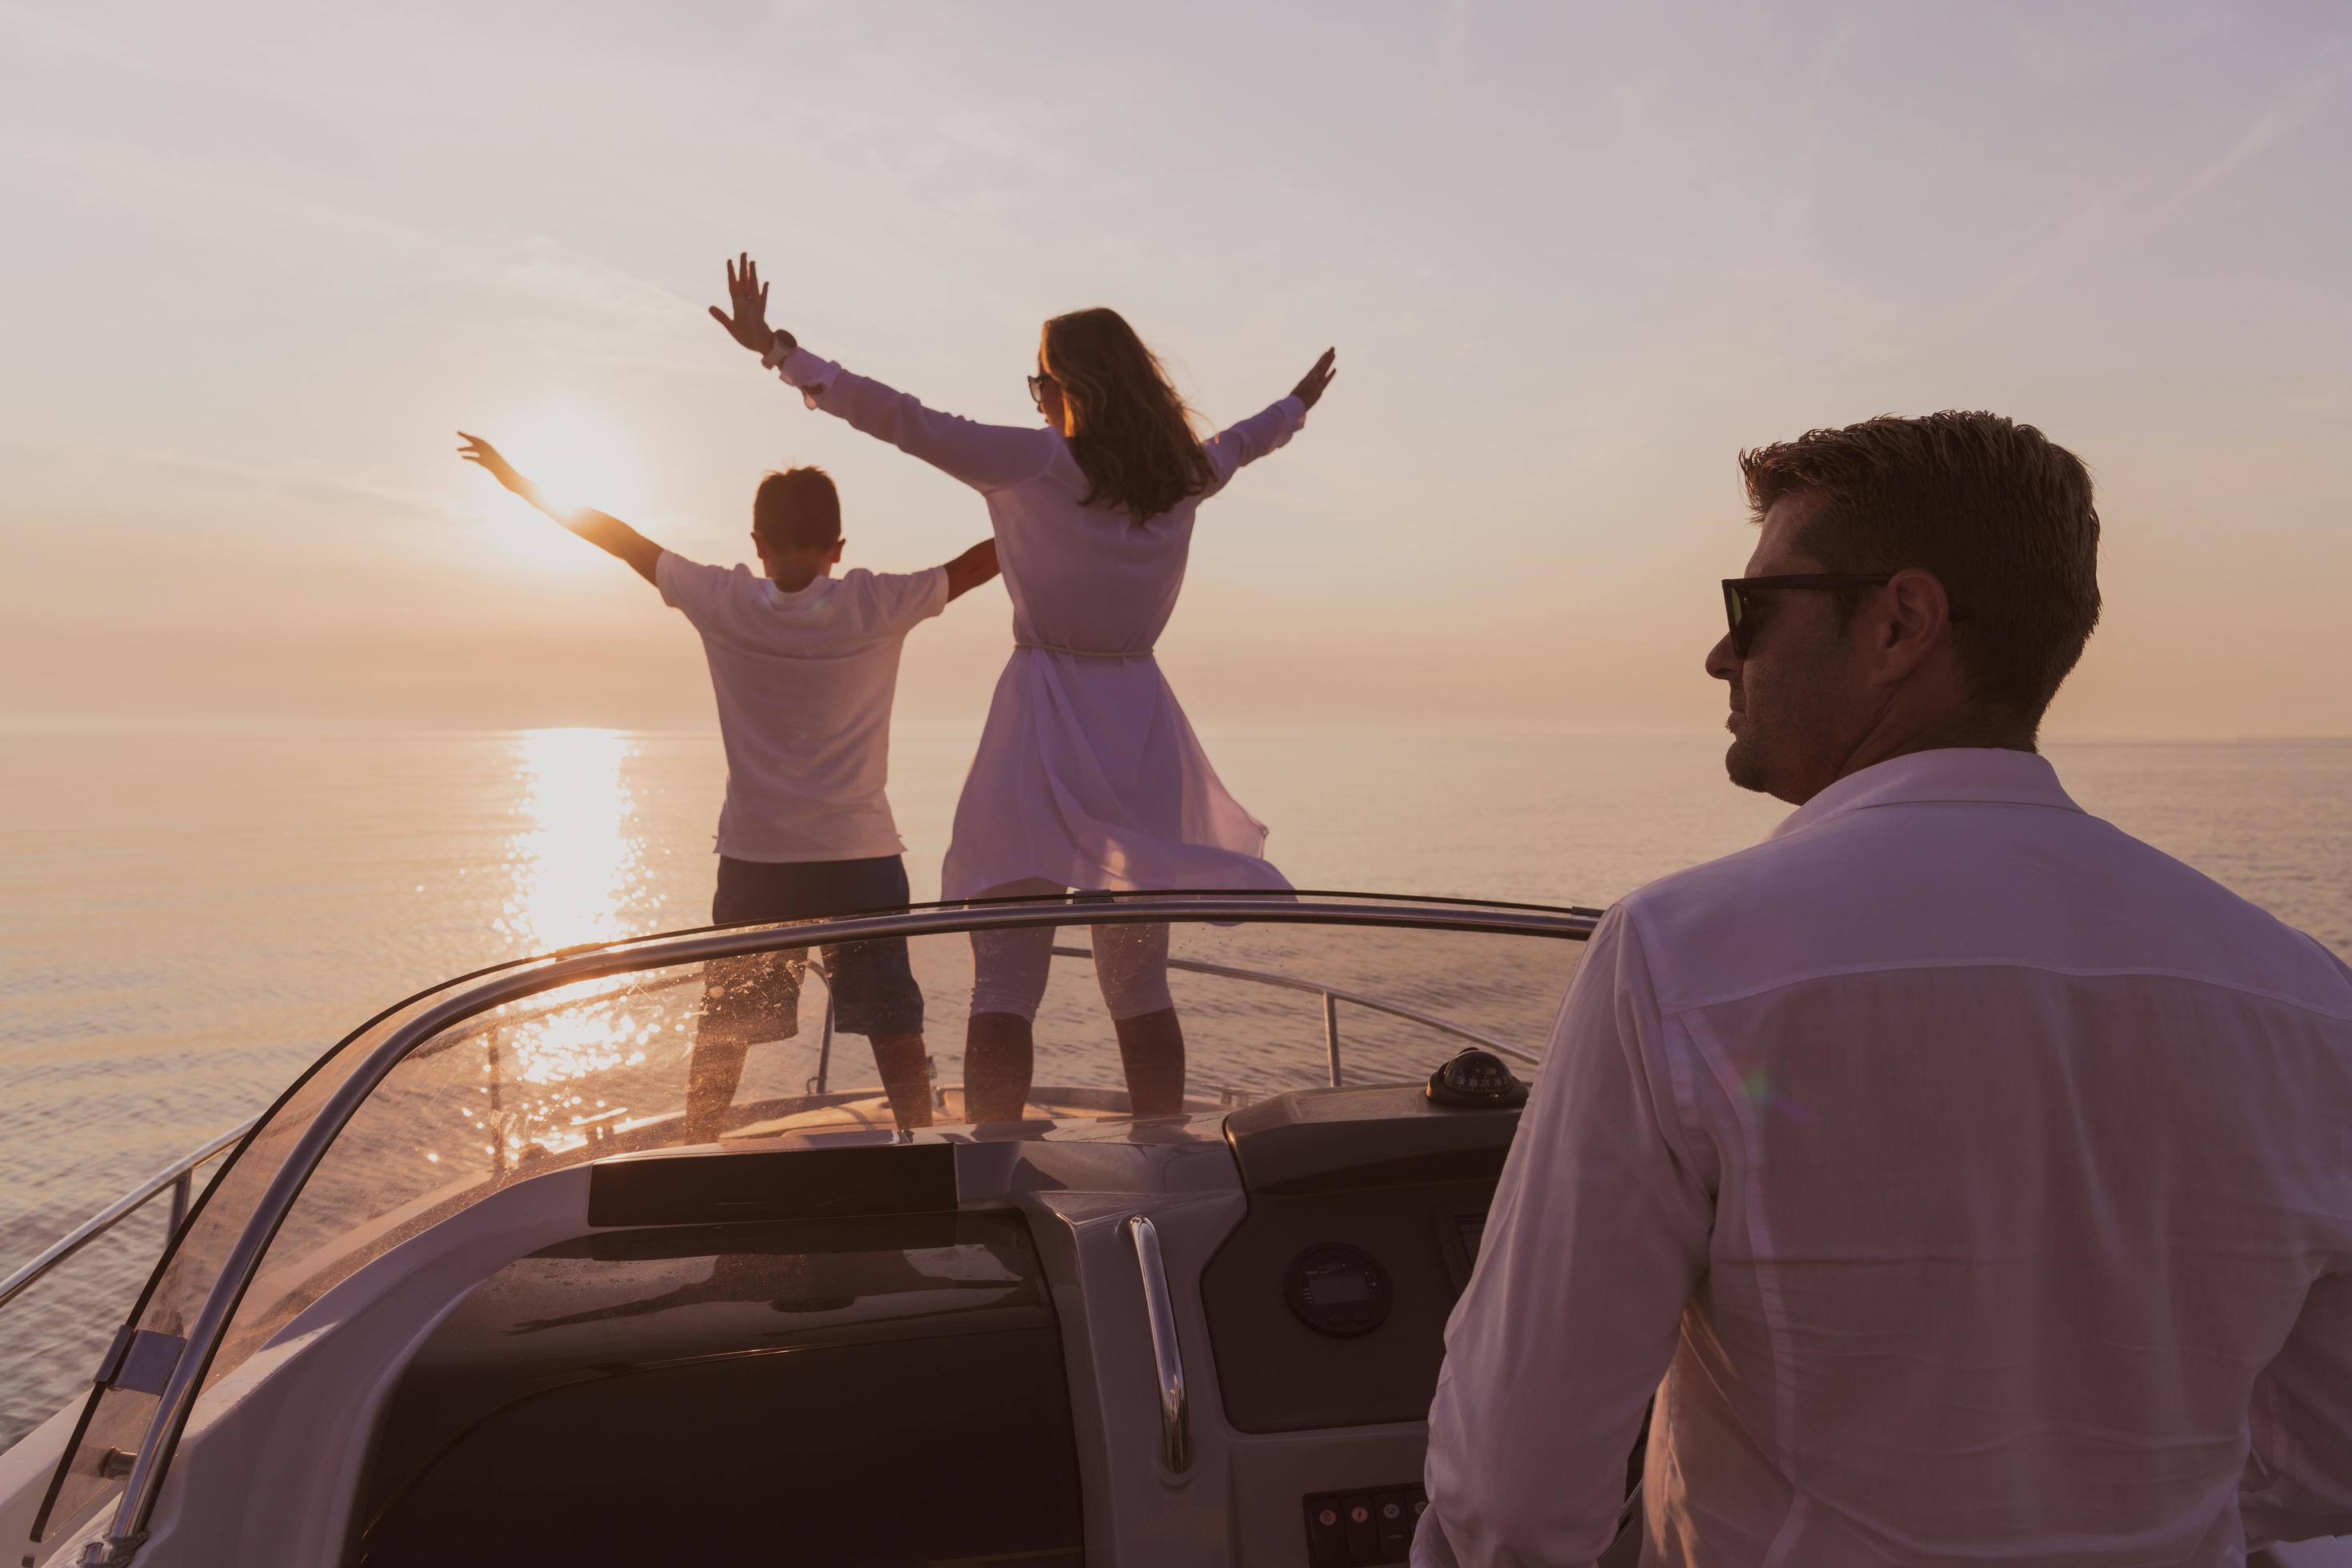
(180,1177)
(1332,996)
(181,1174)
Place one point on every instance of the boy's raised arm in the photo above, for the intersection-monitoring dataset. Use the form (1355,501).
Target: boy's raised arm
(606,532)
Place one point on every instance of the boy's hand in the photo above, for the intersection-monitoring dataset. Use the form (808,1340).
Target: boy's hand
(477,450)
(1310,388)
(749,324)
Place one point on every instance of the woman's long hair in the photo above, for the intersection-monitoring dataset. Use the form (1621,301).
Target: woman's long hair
(1130,433)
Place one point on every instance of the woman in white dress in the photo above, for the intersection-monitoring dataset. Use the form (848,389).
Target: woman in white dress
(1087,775)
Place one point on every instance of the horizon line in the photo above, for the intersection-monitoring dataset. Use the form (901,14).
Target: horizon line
(53,727)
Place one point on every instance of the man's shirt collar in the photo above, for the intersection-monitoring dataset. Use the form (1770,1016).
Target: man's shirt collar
(1971,775)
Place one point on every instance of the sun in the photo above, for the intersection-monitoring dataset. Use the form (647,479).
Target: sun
(579,456)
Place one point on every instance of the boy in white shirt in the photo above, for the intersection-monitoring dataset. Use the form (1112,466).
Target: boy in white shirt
(805,666)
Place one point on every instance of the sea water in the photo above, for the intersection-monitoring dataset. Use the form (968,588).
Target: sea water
(187,919)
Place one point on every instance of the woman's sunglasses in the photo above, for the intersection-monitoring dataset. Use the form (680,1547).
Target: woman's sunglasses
(1037,386)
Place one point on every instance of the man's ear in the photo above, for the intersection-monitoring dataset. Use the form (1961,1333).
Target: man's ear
(837,544)
(1917,608)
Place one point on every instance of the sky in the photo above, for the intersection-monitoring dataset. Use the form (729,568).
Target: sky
(262,262)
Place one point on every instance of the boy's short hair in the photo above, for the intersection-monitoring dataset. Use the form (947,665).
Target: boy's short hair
(797,510)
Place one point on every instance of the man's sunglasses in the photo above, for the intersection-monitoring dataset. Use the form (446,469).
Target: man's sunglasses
(1742,615)
(1037,386)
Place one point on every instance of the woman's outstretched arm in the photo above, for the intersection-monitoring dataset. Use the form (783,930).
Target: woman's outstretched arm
(1235,448)
(985,456)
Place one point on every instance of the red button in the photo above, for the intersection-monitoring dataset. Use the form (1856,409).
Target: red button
(1360,1514)
(1328,1516)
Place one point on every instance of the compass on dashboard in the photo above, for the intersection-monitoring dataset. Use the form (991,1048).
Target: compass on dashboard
(1476,1080)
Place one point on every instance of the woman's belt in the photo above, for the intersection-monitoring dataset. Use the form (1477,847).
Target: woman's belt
(1080,652)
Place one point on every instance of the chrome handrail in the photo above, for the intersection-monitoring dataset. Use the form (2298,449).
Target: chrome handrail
(180,1176)
(1332,996)
(1167,1355)
(140,1491)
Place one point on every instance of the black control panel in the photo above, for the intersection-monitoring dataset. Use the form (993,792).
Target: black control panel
(1346,1529)
(1327,1305)
(1339,1290)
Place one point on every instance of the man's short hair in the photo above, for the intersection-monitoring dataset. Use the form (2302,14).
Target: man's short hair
(797,510)
(1997,513)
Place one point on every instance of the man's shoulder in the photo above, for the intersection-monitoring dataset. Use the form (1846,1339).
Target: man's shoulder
(1707,885)
(1940,884)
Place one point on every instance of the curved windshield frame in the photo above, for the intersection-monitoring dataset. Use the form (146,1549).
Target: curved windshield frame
(196,1289)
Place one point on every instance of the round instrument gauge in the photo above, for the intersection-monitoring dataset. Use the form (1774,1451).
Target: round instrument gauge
(1338,1290)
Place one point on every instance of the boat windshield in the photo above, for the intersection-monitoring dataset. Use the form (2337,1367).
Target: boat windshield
(658,1044)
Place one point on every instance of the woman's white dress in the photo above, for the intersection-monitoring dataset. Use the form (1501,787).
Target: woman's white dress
(1087,774)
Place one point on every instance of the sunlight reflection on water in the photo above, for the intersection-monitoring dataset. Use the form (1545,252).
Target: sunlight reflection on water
(543,1066)
(579,863)
(580,872)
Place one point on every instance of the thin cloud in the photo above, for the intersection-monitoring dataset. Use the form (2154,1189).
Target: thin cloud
(2110,219)
(310,485)
(2271,127)
(552,282)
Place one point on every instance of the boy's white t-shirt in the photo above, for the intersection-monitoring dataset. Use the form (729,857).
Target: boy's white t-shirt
(804,682)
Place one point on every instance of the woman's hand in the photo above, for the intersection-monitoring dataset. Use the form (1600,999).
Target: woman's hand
(749,324)
(1310,389)
(477,450)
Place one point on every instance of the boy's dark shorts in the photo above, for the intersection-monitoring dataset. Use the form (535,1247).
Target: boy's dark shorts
(757,998)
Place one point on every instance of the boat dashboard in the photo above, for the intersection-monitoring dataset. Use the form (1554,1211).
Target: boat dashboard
(1207,1338)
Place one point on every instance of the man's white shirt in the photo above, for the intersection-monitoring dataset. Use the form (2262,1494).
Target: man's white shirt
(804,682)
(1979,1177)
